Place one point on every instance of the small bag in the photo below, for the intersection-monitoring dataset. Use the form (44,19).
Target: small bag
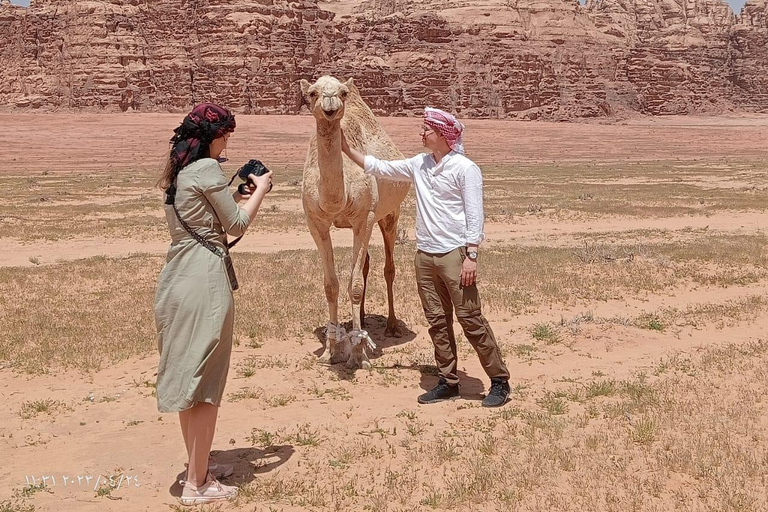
(230,272)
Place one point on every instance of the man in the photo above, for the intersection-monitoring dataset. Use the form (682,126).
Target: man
(449,230)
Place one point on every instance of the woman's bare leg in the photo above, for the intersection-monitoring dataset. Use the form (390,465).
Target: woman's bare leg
(184,422)
(201,426)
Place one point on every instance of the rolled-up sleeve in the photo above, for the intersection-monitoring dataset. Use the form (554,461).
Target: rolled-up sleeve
(473,204)
(398,170)
(215,187)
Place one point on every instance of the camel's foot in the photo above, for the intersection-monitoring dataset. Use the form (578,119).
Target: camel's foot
(393,329)
(353,363)
(325,357)
(340,352)
(358,358)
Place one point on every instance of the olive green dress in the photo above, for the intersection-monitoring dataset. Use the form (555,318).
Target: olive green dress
(194,307)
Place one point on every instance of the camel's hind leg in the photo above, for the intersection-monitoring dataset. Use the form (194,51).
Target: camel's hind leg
(388,226)
(362,236)
(366,268)
(335,350)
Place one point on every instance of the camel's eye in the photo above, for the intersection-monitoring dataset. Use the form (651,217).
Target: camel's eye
(313,94)
(344,94)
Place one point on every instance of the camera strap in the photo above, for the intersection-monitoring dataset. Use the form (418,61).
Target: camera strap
(211,247)
(199,239)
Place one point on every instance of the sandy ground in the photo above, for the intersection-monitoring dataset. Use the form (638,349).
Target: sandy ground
(61,143)
(112,424)
(98,437)
(528,231)
(54,143)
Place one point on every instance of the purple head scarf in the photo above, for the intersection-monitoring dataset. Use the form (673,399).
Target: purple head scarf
(205,123)
(200,127)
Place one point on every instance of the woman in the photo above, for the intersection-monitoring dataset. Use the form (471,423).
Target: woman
(194,306)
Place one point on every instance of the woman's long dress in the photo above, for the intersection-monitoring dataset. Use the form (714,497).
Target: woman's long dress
(194,306)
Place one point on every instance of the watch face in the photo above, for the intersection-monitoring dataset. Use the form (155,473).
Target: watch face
(472,255)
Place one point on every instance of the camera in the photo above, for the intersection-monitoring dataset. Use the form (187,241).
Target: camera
(252,167)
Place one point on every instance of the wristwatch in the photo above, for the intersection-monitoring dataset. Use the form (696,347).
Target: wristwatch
(472,255)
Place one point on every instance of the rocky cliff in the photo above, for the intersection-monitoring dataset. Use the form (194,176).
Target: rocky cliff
(548,59)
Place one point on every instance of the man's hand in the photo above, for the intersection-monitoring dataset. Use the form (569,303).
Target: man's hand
(468,272)
(352,153)
(344,144)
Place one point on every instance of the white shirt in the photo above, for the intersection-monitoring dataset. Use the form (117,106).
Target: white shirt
(449,198)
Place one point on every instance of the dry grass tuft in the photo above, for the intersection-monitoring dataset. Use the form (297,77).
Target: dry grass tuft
(32,409)
(68,315)
(74,315)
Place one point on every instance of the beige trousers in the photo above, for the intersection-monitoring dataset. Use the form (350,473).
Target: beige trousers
(439,281)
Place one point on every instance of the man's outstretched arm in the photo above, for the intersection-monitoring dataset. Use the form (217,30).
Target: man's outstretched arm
(352,153)
(401,170)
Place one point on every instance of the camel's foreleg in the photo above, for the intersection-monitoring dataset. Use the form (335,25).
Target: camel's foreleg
(361,238)
(388,226)
(366,268)
(335,349)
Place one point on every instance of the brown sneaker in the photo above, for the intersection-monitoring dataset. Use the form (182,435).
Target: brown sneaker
(212,490)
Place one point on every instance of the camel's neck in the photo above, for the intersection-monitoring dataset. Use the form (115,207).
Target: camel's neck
(331,187)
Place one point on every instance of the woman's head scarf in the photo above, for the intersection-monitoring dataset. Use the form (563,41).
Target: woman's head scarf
(205,123)
(448,126)
(200,127)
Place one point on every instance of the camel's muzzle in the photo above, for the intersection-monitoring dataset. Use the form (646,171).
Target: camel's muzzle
(330,114)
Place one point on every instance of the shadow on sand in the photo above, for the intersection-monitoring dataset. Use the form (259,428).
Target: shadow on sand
(471,388)
(375,325)
(247,462)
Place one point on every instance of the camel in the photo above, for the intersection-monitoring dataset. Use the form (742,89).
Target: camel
(335,191)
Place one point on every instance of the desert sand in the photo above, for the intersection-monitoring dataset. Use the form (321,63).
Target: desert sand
(660,293)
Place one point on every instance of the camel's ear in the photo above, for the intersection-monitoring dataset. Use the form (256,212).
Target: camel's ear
(304,86)
(350,84)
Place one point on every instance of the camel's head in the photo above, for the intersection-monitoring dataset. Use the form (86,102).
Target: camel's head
(326,97)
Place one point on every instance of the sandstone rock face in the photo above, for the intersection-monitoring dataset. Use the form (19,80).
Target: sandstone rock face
(154,55)
(750,50)
(530,59)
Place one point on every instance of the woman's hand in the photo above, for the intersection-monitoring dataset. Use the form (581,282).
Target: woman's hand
(248,188)
(261,184)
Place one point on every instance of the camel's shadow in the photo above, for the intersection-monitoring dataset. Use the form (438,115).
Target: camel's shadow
(471,388)
(247,463)
(375,325)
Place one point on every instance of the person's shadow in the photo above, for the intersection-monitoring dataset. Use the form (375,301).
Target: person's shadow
(470,388)
(246,462)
